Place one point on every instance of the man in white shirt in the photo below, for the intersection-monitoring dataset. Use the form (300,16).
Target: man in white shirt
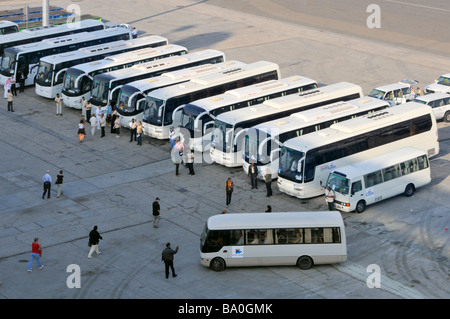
(133,128)
(329,197)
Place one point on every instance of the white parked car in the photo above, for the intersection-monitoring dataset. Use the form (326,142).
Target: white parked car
(442,84)
(396,93)
(439,102)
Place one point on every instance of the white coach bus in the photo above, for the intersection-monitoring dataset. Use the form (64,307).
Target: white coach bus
(367,182)
(227,137)
(77,82)
(25,58)
(198,116)
(316,154)
(51,69)
(262,142)
(131,98)
(164,103)
(46,32)
(105,86)
(276,239)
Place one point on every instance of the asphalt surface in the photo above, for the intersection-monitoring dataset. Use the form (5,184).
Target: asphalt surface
(112,183)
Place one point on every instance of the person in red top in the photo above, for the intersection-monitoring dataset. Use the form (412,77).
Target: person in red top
(229,186)
(36,252)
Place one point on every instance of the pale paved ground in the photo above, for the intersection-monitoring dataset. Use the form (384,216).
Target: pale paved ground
(112,183)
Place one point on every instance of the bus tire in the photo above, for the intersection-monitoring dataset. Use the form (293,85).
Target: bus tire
(217,264)
(305,262)
(447,117)
(360,207)
(409,190)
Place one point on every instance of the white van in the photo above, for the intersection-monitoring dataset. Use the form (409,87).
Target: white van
(396,93)
(439,102)
(442,84)
(360,184)
(8,27)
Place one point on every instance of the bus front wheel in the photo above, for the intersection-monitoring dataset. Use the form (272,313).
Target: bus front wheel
(217,264)
(360,207)
(409,190)
(304,262)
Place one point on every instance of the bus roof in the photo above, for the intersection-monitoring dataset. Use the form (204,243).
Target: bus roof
(240,71)
(320,114)
(51,29)
(180,75)
(125,57)
(251,91)
(288,102)
(275,220)
(159,64)
(376,163)
(358,125)
(64,40)
(101,48)
(432,96)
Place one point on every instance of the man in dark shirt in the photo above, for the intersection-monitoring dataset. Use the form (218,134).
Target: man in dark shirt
(156,213)
(167,257)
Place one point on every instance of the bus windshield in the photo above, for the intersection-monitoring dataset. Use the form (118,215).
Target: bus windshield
(339,183)
(69,85)
(45,73)
(444,81)
(125,104)
(377,94)
(153,113)
(221,136)
(7,59)
(291,164)
(100,90)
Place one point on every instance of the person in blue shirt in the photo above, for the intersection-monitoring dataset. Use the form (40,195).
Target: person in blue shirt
(47,179)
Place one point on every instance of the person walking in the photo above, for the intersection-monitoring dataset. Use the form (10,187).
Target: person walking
(253,173)
(268,181)
(58,101)
(88,109)
(117,126)
(98,116)
(36,253)
(139,132)
(113,120)
(83,106)
(9,97)
(94,240)
(133,130)
(22,79)
(81,130)
(156,212)
(190,162)
(13,86)
(59,182)
(102,124)
(172,136)
(177,155)
(167,258)
(229,186)
(93,121)
(108,112)
(47,179)
(329,197)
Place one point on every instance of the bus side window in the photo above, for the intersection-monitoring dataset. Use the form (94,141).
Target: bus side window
(423,163)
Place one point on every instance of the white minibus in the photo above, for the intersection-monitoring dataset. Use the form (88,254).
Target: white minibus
(367,182)
(273,239)
(316,154)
